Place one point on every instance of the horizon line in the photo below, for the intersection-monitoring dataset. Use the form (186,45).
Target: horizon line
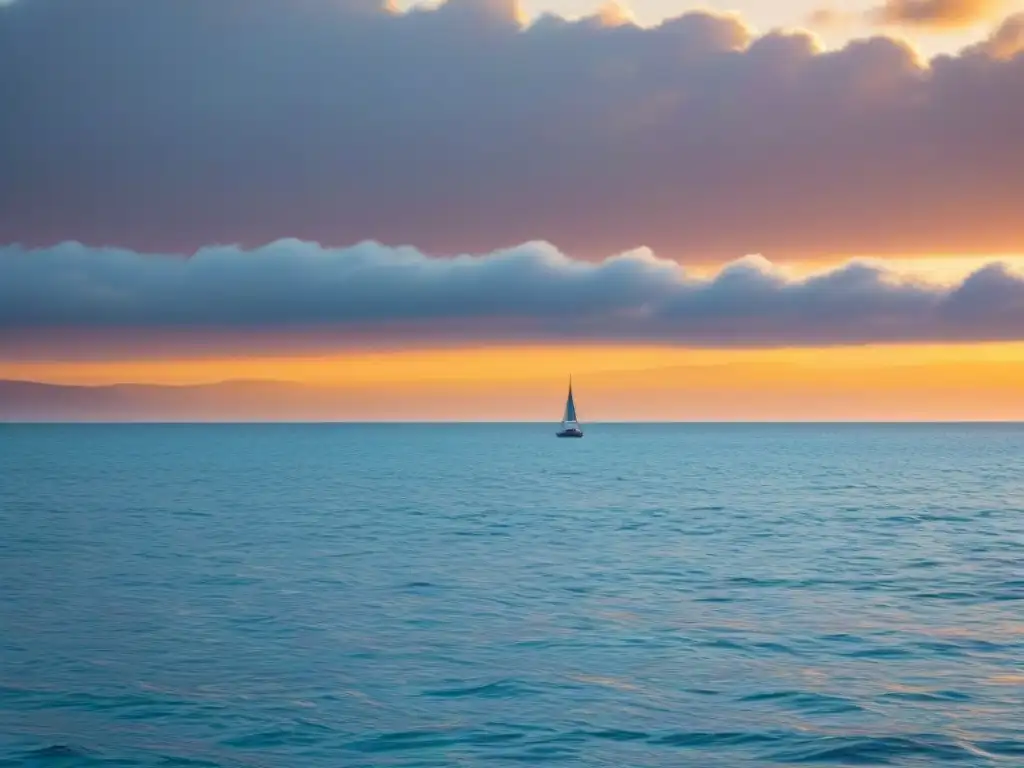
(471,422)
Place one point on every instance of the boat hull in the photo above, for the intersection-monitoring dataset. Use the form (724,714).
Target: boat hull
(569,433)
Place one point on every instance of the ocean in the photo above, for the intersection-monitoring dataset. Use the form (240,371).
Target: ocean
(340,596)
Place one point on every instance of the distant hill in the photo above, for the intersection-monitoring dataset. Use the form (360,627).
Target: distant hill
(228,401)
(25,401)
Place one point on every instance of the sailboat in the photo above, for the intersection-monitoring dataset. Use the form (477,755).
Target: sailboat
(570,425)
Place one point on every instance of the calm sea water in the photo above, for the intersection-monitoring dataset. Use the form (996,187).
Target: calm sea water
(305,596)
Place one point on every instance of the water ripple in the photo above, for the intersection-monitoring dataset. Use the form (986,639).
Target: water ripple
(434,596)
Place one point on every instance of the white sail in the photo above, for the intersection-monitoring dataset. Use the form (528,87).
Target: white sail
(569,419)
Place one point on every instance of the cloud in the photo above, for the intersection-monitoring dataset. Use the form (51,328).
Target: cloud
(166,126)
(1006,42)
(830,18)
(277,295)
(936,14)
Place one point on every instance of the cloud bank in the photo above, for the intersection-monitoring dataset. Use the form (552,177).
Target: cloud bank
(163,126)
(283,291)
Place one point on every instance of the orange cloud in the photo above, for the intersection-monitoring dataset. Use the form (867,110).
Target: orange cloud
(829,18)
(938,14)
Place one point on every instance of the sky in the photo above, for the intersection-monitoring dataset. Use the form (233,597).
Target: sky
(786,211)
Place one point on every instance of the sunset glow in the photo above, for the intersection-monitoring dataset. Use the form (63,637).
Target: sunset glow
(749,212)
(510,364)
(973,382)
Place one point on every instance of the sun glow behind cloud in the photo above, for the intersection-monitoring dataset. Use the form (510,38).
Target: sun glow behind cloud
(943,270)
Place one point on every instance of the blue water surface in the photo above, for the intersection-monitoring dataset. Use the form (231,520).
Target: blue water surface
(384,595)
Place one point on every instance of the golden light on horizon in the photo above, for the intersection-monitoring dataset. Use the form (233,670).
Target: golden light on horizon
(500,363)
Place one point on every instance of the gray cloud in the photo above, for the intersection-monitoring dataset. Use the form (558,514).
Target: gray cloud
(168,124)
(283,292)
